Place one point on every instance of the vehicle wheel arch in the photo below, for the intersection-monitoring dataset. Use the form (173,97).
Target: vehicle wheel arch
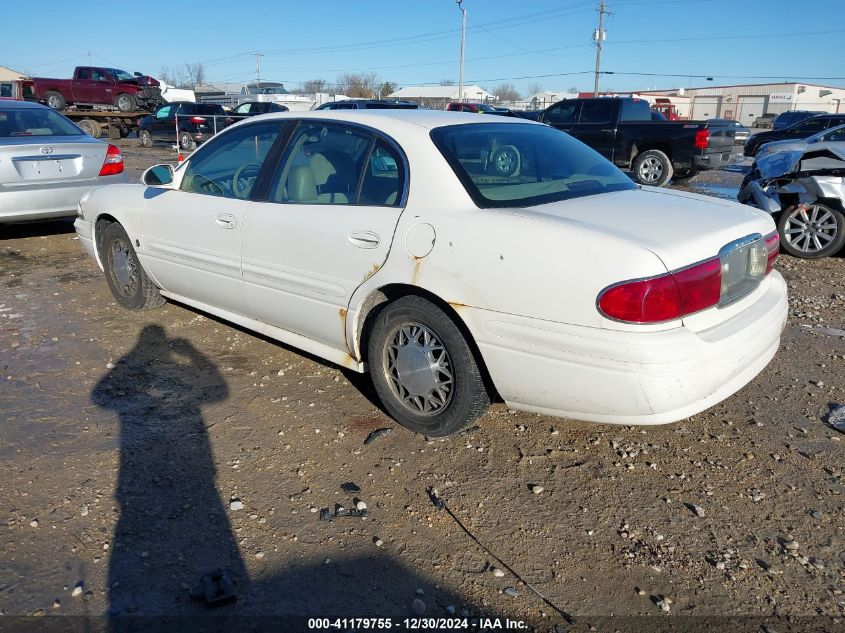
(662,147)
(103,221)
(380,297)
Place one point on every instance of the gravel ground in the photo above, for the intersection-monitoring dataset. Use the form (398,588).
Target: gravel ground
(140,451)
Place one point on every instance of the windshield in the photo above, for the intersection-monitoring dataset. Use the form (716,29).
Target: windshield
(519,165)
(122,75)
(35,122)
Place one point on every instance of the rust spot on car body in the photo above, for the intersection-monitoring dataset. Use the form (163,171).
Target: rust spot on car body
(371,272)
(415,272)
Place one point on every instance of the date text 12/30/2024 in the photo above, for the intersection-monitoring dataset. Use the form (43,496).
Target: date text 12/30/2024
(416,624)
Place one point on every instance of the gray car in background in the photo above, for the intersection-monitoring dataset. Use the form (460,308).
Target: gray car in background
(47,163)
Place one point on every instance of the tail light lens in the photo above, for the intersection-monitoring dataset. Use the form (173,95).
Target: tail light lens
(702,139)
(773,246)
(666,297)
(197,119)
(113,163)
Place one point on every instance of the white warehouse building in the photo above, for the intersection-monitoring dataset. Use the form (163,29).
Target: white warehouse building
(746,102)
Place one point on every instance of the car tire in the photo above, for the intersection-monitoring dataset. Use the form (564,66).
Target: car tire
(186,142)
(55,100)
(145,137)
(796,231)
(652,167)
(505,161)
(90,127)
(125,102)
(437,402)
(126,278)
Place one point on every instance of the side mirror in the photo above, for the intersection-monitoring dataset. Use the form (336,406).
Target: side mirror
(158,175)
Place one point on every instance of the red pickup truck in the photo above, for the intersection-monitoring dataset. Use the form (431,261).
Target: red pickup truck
(100,86)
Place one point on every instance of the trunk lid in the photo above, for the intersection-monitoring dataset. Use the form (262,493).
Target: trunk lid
(39,160)
(680,228)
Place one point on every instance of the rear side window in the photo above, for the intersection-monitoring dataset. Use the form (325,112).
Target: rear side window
(35,122)
(597,111)
(384,177)
(228,165)
(520,165)
(810,126)
(635,110)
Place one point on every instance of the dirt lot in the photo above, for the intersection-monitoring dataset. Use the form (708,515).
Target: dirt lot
(140,451)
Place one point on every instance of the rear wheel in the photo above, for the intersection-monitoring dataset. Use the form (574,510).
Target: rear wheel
(129,284)
(126,102)
(55,99)
(812,231)
(652,167)
(505,161)
(90,127)
(145,138)
(423,369)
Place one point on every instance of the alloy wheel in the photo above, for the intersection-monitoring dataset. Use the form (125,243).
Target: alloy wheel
(810,229)
(124,271)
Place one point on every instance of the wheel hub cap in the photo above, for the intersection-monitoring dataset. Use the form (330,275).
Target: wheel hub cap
(651,169)
(418,369)
(810,229)
(122,267)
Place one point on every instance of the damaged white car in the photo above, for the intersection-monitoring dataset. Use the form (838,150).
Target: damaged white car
(803,188)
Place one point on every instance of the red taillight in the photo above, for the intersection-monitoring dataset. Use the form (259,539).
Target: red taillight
(664,298)
(113,163)
(197,119)
(773,246)
(702,139)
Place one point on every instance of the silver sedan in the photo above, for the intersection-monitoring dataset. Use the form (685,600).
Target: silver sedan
(47,163)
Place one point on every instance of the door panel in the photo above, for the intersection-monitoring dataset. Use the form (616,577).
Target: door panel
(595,125)
(308,249)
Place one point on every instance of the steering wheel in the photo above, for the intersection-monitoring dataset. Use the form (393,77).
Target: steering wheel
(236,188)
(200,181)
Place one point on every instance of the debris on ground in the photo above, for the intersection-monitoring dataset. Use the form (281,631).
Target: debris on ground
(372,437)
(326,514)
(215,588)
(836,417)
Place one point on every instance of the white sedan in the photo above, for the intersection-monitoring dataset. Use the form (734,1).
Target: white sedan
(455,258)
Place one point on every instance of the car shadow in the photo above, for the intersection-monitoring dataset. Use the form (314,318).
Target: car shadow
(59,226)
(173,528)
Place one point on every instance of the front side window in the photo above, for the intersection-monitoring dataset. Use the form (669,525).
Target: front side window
(228,165)
(811,125)
(561,113)
(164,112)
(122,75)
(519,165)
(35,122)
(323,165)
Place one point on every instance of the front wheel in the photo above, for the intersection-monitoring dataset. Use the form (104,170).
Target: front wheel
(129,284)
(423,370)
(652,167)
(55,100)
(186,142)
(146,138)
(812,231)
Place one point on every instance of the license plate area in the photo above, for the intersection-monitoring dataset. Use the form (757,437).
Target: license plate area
(743,264)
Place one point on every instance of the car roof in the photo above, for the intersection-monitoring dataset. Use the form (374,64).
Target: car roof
(9,104)
(388,120)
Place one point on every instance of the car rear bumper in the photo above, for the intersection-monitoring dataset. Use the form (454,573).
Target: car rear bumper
(49,200)
(621,377)
(712,160)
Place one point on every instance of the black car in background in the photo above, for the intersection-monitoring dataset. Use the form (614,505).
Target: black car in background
(764,120)
(803,129)
(368,104)
(788,119)
(197,122)
(251,108)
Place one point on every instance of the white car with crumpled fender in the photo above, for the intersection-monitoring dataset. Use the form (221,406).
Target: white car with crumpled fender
(454,257)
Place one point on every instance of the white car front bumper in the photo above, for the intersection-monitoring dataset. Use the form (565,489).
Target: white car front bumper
(627,377)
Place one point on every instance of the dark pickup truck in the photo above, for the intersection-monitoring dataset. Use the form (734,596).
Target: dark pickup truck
(621,129)
(95,86)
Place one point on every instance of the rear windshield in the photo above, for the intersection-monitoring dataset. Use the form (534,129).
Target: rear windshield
(35,122)
(520,165)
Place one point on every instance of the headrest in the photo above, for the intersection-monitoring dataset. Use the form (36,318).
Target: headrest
(301,185)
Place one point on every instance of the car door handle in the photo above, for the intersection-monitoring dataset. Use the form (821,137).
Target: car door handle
(363,239)
(226,220)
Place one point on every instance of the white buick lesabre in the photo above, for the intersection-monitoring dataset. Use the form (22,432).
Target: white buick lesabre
(454,257)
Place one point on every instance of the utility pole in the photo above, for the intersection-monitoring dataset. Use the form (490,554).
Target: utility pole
(463,44)
(258,57)
(599,36)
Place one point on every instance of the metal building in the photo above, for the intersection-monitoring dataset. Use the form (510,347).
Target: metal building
(746,102)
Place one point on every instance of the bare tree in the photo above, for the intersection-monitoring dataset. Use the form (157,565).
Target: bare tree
(195,73)
(535,89)
(357,85)
(313,86)
(187,77)
(506,92)
(573,89)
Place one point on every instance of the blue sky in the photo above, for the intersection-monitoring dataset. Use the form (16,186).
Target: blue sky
(413,42)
